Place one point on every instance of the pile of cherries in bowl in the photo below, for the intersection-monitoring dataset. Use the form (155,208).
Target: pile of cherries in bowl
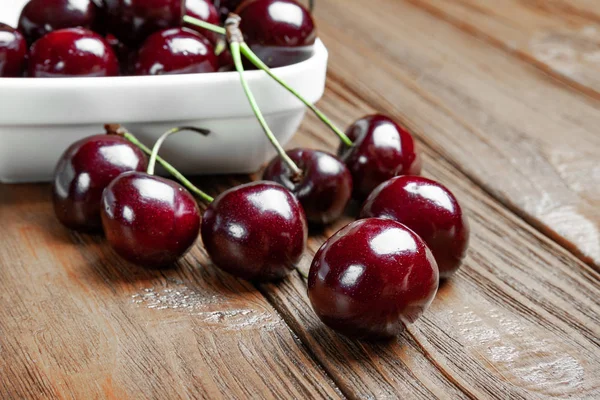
(97,38)
(368,280)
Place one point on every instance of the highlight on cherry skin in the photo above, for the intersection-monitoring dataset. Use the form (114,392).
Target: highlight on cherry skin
(372,278)
(72,52)
(382,149)
(148,220)
(13,52)
(84,170)
(256,231)
(430,210)
(324,188)
(176,51)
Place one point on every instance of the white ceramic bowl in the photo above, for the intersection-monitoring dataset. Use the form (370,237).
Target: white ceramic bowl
(40,117)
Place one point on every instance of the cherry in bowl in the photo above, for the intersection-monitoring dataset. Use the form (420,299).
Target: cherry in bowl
(430,210)
(255,231)
(382,149)
(372,278)
(280,32)
(13,51)
(148,220)
(325,187)
(82,173)
(176,51)
(40,17)
(72,52)
(205,11)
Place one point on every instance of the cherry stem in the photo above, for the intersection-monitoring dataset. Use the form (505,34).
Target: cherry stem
(253,58)
(171,169)
(234,38)
(302,273)
(311,5)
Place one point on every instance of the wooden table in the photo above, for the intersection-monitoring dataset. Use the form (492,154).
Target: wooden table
(504,97)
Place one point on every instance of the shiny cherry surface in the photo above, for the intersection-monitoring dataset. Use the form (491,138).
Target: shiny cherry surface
(40,17)
(132,21)
(176,51)
(148,220)
(325,187)
(382,149)
(371,278)
(203,10)
(430,210)
(82,173)
(72,52)
(255,231)
(13,51)
(280,32)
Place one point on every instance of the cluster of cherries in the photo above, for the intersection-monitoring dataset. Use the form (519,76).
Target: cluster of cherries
(92,38)
(367,281)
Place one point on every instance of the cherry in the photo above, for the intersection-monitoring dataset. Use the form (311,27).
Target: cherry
(371,278)
(40,17)
(176,51)
(13,51)
(82,173)
(430,210)
(132,21)
(324,188)
(72,52)
(280,32)
(226,6)
(203,10)
(382,149)
(148,220)
(255,231)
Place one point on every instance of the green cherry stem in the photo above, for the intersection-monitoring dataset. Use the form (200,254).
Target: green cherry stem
(203,24)
(234,45)
(253,58)
(171,169)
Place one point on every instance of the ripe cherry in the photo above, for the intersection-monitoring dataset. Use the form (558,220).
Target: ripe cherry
(13,51)
(371,278)
(176,51)
(382,149)
(148,220)
(430,210)
(203,10)
(40,17)
(72,52)
(280,32)
(324,188)
(255,231)
(82,173)
(132,21)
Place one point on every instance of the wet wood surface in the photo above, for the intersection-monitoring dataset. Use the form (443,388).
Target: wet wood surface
(521,319)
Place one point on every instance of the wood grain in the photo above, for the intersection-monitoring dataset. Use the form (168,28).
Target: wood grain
(77,322)
(552,35)
(521,135)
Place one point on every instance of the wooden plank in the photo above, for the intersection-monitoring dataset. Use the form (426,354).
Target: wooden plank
(516,132)
(554,36)
(76,322)
(520,320)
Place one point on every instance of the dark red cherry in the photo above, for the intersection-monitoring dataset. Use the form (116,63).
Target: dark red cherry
(382,149)
(255,231)
(430,210)
(132,21)
(72,52)
(40,17)
(13,51)
(371,278)
(176,51)
(148,220)
(280,32)
(203,10)
(82,173)
(325,187)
